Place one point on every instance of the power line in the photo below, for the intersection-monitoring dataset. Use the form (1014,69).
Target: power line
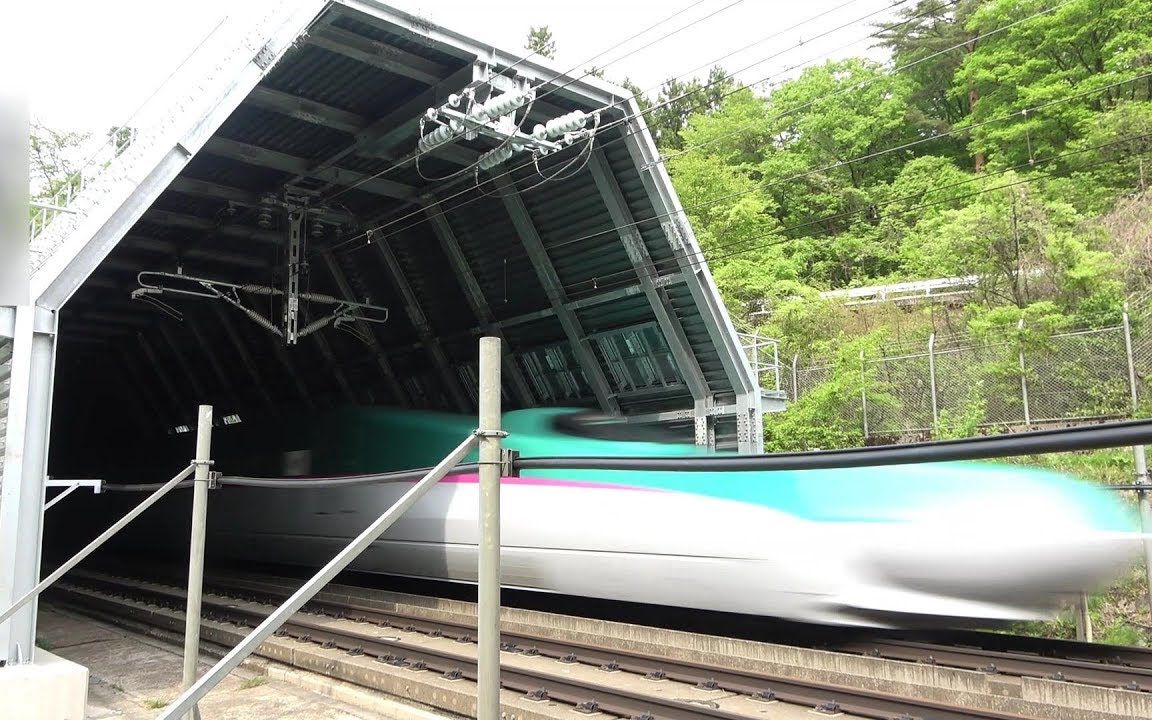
(686,261)
(862,158)
(439,201)
(626,118)
(414,157)
(861,86)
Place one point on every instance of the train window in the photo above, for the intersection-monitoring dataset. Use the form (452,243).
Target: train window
(607,427)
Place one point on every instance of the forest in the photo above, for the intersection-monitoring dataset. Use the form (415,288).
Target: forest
(1006,139)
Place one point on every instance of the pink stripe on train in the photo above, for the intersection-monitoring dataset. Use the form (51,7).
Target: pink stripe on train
(540,482)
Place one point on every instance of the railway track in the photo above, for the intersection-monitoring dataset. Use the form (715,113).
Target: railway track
(622,686)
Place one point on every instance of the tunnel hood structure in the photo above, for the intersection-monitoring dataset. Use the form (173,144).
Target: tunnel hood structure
(280,156)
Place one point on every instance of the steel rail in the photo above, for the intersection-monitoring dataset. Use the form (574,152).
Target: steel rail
(1089,664)
(824,697)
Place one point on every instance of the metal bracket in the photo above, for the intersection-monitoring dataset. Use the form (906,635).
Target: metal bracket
(490,433)
(508,458)
(263,57)
(214,479)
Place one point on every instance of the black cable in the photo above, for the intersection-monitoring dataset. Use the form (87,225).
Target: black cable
(1094,437)
(1089,437)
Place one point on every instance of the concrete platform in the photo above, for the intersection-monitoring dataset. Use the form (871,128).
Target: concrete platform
(132,677)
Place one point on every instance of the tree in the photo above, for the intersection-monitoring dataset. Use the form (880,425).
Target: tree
(55,159)
(930,44)
(1081,48)
(540,41)
(679,100)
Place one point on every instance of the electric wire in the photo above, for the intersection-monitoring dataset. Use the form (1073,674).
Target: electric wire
(861,86)
(628,118)
(1024,112)
(1035,442)
(768,184)
(418,154)
(686,261)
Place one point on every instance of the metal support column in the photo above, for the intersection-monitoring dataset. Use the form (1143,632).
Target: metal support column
(424,328)
(187,699)
(25,471)
(550,281)
(476,299)
(488,609)
(705,424)
(1083,619)
(1141,461)
(1024,379)
(292,296)
(196,546)
(932,378)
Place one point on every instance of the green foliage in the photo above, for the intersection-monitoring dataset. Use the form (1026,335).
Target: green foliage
(541,42)
(965,422)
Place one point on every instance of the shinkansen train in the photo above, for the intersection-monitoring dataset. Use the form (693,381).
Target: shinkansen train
(946,544)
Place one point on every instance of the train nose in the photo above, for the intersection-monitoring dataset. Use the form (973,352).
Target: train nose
(1027,549)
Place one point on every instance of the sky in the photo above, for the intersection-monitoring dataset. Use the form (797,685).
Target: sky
(107,57)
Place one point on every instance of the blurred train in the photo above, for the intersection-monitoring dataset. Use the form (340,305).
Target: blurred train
(941,544)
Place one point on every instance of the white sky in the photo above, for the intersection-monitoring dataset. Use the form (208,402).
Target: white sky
(106,57)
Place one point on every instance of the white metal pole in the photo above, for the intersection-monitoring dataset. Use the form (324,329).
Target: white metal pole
(795,377)
(183,704)
(1023,376)
(488,610)
(1139,458)
(196,546)
(932,378)
(864,393)
(92,546)
(1083,619)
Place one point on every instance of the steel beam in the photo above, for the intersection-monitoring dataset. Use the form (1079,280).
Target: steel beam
(689,257)
(198,387)
(646,271)
(476,300)
(401,122)
(243,352)
(309,111)
(546,273)
(160,369)
(264,157)
(377,54)
(366,330)
(191,222)
(427,336)
(227,193)
(25,470)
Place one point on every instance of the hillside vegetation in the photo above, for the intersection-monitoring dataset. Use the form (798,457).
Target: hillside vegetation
(1007,139)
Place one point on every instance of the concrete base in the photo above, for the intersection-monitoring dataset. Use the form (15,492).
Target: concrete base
(49,688)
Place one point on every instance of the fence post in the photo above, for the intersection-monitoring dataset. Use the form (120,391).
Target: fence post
(932,378)
(1139,458)
(864,392)
(795,378)
(1083,619)
(776,362)
(488,608)
(196,549)
(1023,376)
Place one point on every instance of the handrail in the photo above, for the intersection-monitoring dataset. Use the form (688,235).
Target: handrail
(184,704)
(95,544)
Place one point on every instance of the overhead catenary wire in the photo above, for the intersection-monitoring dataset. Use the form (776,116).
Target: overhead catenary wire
(414,157)
(628,118)
(689,261)
(778,182)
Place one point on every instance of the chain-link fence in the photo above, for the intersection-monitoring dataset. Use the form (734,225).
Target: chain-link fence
(1016,381)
